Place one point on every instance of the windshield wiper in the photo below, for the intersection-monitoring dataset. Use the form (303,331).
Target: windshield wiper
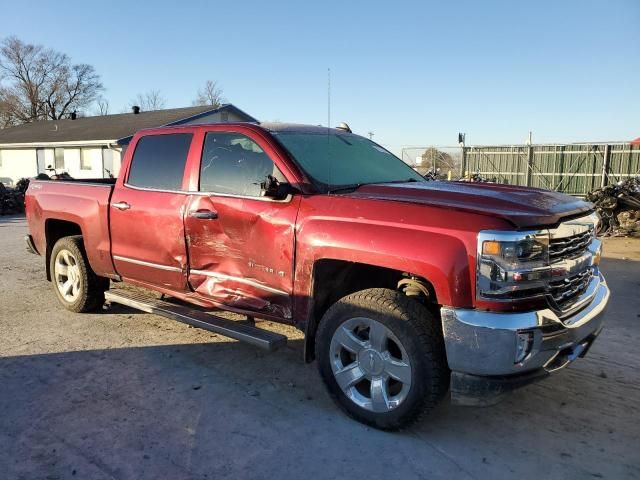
(355,186)
(402,181)
(344,188)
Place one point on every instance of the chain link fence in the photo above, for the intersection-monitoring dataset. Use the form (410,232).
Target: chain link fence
(575,169)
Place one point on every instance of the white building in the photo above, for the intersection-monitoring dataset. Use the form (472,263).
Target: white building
(91,147)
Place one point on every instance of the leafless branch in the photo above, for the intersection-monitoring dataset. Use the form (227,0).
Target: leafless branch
(211,94)
(102,105)
(151,100)
(41,84)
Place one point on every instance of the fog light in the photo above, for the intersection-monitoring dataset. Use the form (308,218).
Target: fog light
(524,343)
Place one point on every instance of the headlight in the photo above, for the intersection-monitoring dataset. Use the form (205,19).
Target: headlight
(512,265)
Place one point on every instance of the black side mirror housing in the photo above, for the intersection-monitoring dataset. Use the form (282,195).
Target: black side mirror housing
(272,188)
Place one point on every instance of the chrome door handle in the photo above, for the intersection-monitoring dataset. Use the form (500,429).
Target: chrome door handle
(203,214)
(121,205)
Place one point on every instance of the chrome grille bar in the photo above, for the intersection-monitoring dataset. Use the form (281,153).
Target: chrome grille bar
(574,245)
(571,240)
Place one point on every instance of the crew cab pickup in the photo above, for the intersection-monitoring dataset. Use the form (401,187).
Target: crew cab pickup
(404,288)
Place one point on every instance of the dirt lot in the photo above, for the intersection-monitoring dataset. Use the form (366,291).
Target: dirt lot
(124,395)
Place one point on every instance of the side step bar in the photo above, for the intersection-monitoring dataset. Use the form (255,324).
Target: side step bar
(238,331)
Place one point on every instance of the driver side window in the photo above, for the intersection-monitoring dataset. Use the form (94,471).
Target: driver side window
(234,164)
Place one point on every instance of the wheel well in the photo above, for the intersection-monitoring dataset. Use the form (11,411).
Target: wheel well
(54,230)
(335,279)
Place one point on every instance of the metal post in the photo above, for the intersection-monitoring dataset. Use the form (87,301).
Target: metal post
(463,173)
(606,165)
(529,165)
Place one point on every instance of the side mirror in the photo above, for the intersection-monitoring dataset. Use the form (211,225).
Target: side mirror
(272,188)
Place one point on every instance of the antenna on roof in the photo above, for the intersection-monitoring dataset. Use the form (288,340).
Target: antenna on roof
(328,98)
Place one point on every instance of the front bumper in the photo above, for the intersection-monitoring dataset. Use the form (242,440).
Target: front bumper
(482,347)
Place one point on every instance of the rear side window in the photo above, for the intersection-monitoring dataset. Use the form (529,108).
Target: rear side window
(158,161)
(234,164)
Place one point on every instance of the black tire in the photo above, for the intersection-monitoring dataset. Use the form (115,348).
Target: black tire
(91,290)
(415,328)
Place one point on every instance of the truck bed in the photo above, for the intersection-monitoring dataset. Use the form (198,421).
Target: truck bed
(85,202)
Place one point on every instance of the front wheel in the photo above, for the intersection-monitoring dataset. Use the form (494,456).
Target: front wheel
(382,357)
(77,287)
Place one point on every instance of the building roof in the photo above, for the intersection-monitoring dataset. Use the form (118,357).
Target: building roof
(106,127)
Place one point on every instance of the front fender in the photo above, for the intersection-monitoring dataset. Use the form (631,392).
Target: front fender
(433,243)
(440,258)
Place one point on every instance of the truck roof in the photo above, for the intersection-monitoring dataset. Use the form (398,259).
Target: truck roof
(273,127)
(277,127)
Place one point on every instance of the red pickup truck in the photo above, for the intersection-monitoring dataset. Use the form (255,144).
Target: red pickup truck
(404,288)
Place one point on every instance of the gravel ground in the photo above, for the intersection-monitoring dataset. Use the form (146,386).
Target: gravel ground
(126,395)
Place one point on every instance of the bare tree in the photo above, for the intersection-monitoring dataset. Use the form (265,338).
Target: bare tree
(151,100)
(41,84)
(102,105)
(74,87)
(211,94)
(437,159)
(10,108)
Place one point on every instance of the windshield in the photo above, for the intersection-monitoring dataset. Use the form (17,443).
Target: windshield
(336,160)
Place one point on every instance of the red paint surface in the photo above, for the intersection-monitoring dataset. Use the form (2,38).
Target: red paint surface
(258,256)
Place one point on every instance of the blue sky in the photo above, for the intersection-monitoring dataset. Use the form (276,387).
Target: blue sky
(414,73)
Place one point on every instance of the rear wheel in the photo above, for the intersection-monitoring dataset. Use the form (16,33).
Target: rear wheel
(77,287)
(382,357)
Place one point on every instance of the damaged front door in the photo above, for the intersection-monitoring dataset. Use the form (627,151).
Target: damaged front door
(240,243)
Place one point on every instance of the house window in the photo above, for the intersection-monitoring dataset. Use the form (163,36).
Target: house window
(59,155)
(85,159)
(224,116)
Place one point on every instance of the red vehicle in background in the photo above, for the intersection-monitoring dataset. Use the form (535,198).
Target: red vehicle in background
(404,288)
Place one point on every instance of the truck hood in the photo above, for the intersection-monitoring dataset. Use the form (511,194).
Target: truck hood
(521,206)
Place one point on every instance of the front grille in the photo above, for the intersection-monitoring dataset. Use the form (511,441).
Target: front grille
(569,257)
(572,246)
(565,291)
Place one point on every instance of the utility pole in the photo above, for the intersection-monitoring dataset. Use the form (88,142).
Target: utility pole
(371,134)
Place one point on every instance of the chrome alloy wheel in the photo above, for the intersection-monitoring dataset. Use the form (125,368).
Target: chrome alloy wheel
(66,273)
(370,364)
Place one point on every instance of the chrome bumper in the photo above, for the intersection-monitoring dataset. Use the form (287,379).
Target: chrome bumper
(485,343)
